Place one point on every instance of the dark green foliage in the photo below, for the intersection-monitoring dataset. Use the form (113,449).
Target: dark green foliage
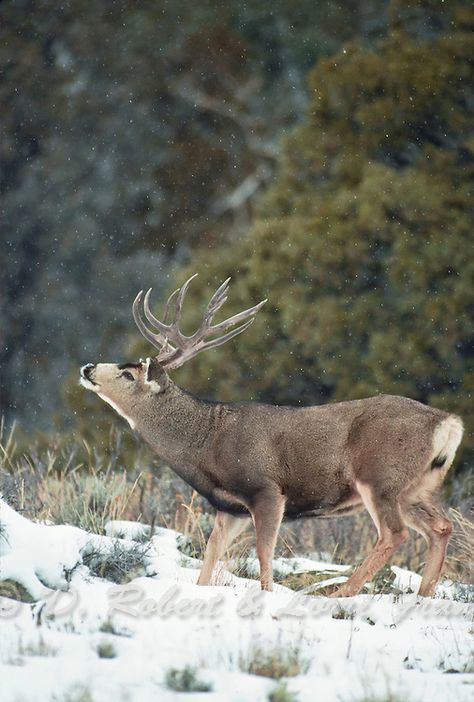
(364,243)
(127,131)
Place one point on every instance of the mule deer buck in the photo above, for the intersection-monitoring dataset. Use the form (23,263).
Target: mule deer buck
(388,454)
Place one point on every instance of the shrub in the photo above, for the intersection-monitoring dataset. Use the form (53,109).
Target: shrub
(77,693)
(108,627)
(106,650)
(15,591)
(342,613)
(362,237)
(279,662)
(280,693)
(121,564)
(186,680)
(39,649)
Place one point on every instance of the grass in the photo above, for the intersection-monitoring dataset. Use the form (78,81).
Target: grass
(279,661)
(88,501)
(342,613)
(64,480)
(461,545)
(382,582)
(121,564)
(186,680)
(3,533)
(15,591)
(197,528)
(466,668)
(106,650)
(280,693)
(77,693)
(37,649)
(108,627)
(300,581)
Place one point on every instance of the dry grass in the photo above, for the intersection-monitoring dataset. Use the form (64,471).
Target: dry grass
(67,482)
(277,661)
(459,563)
(37,649)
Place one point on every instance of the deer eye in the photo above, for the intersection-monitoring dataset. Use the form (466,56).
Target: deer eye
(127,375)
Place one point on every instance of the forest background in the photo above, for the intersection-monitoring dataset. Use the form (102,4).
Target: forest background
(320,153)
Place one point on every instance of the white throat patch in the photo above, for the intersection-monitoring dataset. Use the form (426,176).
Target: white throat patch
(87,384)
(117,409)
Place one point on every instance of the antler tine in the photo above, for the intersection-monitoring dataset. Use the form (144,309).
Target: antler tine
(157,340)
(219,296)
(230,335)
(214,304)
(171,330)
(251,312)
(178,359)
(167,306)
(179,302)
(162,328)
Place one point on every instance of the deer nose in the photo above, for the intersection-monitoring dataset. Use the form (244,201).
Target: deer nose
(86,370)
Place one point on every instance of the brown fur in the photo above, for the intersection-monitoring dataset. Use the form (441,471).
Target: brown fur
(386,453)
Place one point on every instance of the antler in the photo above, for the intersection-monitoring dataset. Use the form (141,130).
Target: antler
(174,347)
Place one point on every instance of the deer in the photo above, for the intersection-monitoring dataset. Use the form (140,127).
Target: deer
(263,463)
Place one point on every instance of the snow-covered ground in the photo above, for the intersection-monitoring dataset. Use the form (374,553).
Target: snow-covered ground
(376,646)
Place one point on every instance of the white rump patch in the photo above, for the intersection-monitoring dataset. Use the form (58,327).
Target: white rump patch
(446,438)
(117,409)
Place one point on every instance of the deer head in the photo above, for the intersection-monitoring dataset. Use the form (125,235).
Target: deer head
(128,385)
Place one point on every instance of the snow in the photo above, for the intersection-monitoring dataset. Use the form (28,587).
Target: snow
(400,644)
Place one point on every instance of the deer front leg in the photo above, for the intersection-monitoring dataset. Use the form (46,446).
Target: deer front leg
(226,529)
(267,514)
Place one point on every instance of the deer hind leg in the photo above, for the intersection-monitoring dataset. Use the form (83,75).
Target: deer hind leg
(226,528)
(385,513)
(428,519)
(267,513)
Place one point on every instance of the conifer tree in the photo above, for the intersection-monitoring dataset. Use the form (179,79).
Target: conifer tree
(364,243)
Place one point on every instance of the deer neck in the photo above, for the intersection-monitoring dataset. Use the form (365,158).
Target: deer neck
(176,425)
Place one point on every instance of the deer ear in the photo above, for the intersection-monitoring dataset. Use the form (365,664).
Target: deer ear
(155,376)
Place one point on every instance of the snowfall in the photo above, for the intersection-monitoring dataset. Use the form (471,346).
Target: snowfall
(397,645)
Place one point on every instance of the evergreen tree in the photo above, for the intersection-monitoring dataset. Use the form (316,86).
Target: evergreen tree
(364,243)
